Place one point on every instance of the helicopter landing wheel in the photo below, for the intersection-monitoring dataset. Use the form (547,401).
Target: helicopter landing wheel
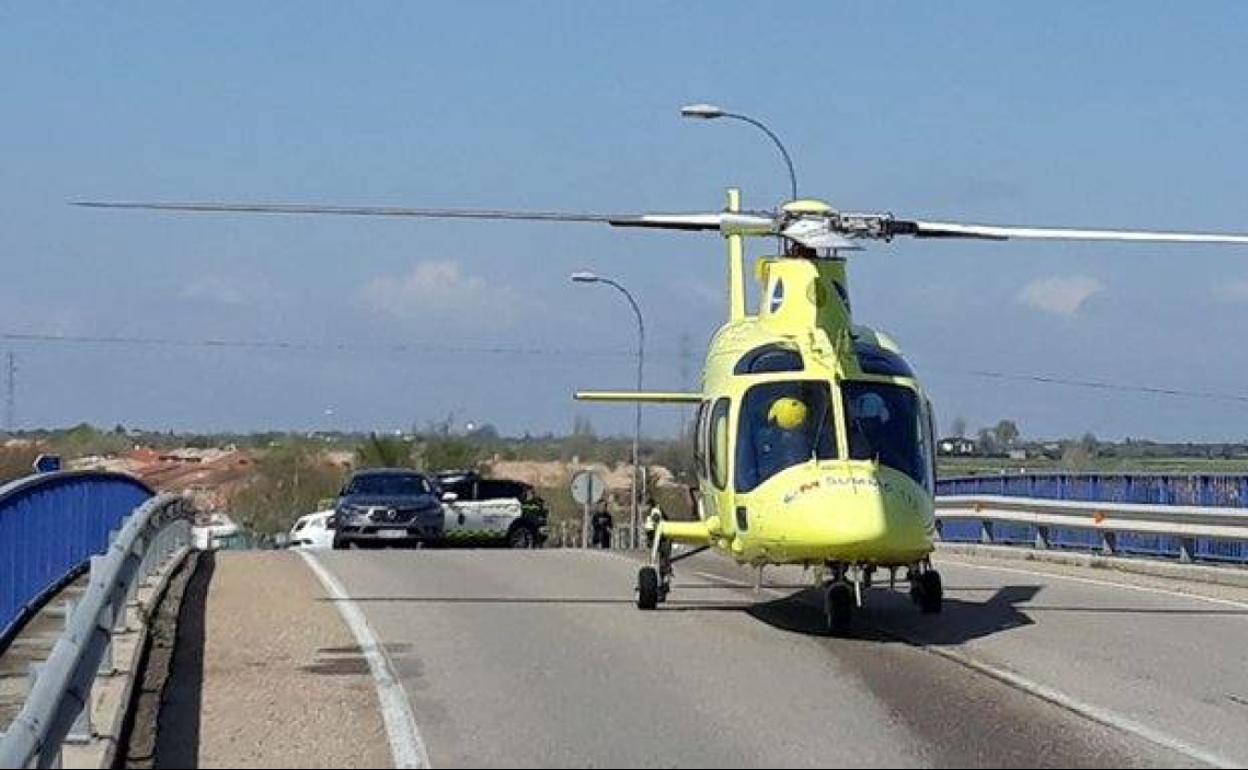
(927,592)
(838,602)
(649,591)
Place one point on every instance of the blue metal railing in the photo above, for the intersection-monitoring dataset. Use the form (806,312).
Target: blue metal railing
(50,526)
(1208,490)
(1220,490)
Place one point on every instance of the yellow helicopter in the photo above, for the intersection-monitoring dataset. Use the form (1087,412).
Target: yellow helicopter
(814,439)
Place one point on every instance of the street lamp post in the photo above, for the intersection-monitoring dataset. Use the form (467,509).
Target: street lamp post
(587,277)
(711,112)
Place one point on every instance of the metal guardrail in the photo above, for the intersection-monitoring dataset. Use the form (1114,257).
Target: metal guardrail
(568,534)
(1202,489)
(1102,526)
(50,525)
(61,694)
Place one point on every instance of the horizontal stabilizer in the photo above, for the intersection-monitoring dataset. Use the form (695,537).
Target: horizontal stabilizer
(632,396)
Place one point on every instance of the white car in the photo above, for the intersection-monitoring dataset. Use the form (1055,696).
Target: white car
(312,531)
(211,534)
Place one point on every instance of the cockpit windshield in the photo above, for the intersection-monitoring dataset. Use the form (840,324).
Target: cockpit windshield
(886,424)
(783,424)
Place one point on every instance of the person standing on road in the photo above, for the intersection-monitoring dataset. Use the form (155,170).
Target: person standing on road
(602,524)
(694,505)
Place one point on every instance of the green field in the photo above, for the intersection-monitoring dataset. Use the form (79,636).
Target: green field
(947,467)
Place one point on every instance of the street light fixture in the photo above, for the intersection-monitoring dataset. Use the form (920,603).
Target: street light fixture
(585,276)
(701,111)
(711,112)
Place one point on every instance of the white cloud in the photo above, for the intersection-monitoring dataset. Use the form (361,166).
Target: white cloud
(1232,291)
(1061,295)
(440,290)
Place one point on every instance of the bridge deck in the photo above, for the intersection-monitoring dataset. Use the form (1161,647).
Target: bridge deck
(281,681)
(538,658)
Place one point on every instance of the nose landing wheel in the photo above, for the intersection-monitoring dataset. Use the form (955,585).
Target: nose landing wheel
(654,581)
(649,588)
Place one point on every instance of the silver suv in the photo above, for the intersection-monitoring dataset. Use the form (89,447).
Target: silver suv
(387,506)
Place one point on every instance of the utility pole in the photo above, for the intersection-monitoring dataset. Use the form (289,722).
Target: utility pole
(686,380)
(10,399)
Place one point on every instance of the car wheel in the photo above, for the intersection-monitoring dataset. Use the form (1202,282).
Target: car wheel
(521,537)
(341,544)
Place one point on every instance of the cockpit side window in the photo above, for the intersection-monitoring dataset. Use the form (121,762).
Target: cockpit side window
(768,359)
(783,424)
(886,423)
(718,434)
(929,446)
(699,439)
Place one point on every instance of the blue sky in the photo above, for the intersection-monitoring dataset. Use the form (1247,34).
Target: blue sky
(1089,114)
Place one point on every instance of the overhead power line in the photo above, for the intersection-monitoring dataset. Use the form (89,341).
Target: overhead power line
(321,347)
(1111,386)
(427,347)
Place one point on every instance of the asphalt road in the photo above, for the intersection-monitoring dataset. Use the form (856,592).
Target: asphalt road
(540,659)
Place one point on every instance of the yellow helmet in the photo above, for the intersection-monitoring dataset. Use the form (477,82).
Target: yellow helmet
(787,413)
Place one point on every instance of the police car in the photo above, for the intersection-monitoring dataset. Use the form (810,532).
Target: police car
(491,511)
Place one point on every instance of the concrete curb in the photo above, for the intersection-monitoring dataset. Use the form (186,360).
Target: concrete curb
(1198,573)
(113,692)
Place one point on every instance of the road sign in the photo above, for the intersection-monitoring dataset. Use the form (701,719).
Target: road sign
(47,463)
(588,487)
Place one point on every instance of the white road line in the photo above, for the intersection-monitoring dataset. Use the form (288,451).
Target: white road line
(1087,710)
(406,747)
(1095,582)
(1095,713)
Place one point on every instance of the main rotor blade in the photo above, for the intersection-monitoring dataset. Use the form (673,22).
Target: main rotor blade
(921,229)
(659,221)
(692,222)
(360,211)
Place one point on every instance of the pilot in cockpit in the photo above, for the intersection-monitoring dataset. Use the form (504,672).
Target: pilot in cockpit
(784,440)
(869,425)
